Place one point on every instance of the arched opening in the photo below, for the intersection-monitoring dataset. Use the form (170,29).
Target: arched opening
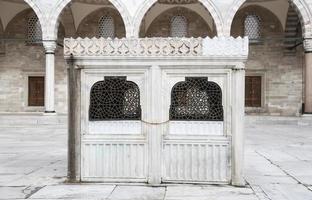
(196,98)
(85,19)
(115,98)
(274,70)
(103,22)
(183,18)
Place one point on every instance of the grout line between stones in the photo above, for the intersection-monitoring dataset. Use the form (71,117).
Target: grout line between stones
(110,194)
(288,174)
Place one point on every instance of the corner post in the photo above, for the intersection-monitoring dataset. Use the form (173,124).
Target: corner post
(238,113)
(74,103)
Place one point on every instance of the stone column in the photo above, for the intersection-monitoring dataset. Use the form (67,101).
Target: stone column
(238,113)
(308,75)
(74,121)
(49,47)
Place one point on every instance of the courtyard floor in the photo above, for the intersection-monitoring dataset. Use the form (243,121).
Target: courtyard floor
(33,153)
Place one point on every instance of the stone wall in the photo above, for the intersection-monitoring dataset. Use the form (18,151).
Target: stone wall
(282,75)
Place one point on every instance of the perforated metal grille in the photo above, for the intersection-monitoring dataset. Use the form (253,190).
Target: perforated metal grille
(196,98)
(114,99)
(252,27)
(34,30)
(107,27)
(178,26)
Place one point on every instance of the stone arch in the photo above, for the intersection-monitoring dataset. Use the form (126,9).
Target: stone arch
(208,4)
(269,21)
(51,29)
(18,25)
(37,10)
(300,6)
(88,27)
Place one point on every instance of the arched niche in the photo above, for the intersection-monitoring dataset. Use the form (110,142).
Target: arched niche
(17,28)
(160,26)
(270,25)
(300,7)
(62,5)
(156,21)
(89,26)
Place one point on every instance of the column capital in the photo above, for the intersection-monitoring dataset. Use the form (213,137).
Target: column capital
(49,46)
(239,66)
(307,44)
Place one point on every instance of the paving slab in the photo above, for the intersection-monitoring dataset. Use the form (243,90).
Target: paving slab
(74,192)
(209,193)
(7,193)
(287,192)
(138,193)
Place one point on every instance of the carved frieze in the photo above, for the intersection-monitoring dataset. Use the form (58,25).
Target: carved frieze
(157,47)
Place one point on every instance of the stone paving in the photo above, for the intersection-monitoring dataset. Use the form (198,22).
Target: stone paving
(33,164)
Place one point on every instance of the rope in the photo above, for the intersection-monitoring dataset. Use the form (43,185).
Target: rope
(155,123)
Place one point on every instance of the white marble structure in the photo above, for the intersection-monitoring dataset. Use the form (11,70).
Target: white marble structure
(155,149)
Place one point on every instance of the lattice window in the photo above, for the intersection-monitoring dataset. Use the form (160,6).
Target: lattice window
(34,34)
(178,26)
(196,98)
(115,98)
(252,27)
(107,27)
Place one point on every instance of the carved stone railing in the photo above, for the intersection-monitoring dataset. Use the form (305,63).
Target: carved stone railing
(156,47)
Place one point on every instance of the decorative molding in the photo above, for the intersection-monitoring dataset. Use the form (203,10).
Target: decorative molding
(226,46)
(49,46)
(157,47)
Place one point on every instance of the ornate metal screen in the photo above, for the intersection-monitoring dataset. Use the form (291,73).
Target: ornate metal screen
(252,27)
(115,98)
(196,98)
(107,27)
(34,34)
(178,26)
